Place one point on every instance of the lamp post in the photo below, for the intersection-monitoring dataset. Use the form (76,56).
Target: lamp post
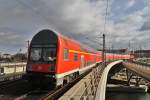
(103,51)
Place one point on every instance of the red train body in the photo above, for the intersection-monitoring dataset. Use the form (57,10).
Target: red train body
(57,59)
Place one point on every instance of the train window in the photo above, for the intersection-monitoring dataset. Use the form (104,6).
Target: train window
(36,54)
(75,56)
(65,54)
(49,54)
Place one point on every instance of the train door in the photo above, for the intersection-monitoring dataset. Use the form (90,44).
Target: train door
(82,61)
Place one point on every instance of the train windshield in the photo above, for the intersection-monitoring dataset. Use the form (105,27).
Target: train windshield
(43,54)
(36,54)
(49,54)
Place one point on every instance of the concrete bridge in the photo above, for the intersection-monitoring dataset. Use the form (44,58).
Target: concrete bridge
(94,85)
(133,71)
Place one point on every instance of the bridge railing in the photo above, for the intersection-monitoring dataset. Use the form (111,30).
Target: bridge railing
(11,71)
(12,64)
(8,68)
(87,89)
(140,65)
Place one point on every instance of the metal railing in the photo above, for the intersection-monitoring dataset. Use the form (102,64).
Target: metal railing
(11,71)
(140,65)
(6,66)
(12,64)
(87,89)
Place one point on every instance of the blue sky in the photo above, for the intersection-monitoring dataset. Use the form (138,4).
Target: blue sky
(121,8)
(128,20)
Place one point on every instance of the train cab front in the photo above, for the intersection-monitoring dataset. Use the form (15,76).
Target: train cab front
(42,58)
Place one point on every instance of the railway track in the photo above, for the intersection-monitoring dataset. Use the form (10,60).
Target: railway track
(9,80)
(12,89)
(21,90)
(33,95)
(50,94)
(6,84)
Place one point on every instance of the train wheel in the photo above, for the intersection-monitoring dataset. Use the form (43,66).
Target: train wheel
(76,74)
(70,77)
(65,81)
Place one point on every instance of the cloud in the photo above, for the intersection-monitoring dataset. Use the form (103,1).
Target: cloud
(145,26)
(66,16)
(12,42)
(130,3)
(78,19)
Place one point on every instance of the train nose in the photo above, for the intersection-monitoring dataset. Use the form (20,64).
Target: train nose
(42,67)
(39,67)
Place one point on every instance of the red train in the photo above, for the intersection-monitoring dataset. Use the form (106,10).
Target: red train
(54,59)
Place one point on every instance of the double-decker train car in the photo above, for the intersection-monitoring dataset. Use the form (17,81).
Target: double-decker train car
(54,59)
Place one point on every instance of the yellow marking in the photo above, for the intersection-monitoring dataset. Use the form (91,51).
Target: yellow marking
(74,51)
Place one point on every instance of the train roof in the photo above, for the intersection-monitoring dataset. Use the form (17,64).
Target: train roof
(44,36)
(46,33)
